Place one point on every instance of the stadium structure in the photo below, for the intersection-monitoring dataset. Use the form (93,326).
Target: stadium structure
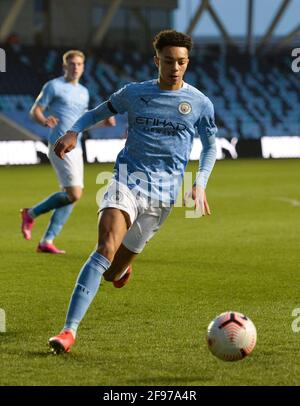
(250,80)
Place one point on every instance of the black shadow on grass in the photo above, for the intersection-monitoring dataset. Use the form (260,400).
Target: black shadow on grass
(40,354)
(44,353)
(72,357)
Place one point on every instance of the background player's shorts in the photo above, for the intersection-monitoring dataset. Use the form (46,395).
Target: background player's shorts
(145,219)
(70,169)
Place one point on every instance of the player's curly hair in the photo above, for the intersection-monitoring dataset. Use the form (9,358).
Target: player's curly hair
(174,38)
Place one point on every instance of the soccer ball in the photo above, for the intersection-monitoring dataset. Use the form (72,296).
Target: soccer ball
(231,336)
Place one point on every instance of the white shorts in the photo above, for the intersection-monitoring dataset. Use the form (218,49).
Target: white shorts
(145,219)
(70,169)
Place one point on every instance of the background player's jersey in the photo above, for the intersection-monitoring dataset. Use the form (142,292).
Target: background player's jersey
(65,101)
(162,126)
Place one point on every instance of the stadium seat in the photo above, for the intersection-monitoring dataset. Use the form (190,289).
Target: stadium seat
(236,84)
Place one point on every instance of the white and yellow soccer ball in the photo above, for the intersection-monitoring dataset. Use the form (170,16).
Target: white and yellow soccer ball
(231,336)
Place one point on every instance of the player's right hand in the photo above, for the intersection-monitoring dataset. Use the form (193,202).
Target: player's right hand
(51,122)
(65,144)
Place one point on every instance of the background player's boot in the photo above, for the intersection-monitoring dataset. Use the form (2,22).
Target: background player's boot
(49,248)
(124,280)
(27,224)
(62,342)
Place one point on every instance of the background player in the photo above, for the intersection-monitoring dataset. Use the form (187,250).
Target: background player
(65,100)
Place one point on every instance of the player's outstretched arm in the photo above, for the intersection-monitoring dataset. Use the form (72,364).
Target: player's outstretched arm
(68,141)
(92,117)
(65,144)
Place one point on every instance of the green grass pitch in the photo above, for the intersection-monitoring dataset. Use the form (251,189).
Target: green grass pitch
(244,257)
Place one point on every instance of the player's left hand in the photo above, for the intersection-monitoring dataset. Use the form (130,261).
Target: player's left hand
(65,144)
(110,122)
(199,196)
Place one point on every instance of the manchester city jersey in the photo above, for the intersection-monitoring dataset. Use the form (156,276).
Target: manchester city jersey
(65,101)
(162,126)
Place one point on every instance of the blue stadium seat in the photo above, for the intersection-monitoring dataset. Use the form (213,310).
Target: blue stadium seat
(252,97)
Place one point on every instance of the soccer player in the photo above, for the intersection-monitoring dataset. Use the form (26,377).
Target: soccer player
(65,100)
(163,116)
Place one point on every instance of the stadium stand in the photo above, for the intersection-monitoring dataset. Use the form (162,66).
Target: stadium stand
(253,97)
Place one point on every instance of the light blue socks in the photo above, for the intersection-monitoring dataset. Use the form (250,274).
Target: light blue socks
(54,201)
(57,221)
(86,287)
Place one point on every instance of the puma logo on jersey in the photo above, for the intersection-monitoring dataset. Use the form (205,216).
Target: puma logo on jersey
(146,101)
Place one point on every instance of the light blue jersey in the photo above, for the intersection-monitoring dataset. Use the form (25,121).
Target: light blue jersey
(65,101)
(162,126)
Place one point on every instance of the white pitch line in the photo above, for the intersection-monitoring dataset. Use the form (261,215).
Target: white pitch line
(293,202)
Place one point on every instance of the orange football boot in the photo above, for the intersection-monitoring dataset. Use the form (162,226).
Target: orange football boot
(62,342)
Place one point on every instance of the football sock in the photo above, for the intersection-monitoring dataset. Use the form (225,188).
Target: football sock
(54,201)
(86,287)
(57,221)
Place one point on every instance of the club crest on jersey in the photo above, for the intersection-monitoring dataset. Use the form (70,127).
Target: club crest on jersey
(184,108)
